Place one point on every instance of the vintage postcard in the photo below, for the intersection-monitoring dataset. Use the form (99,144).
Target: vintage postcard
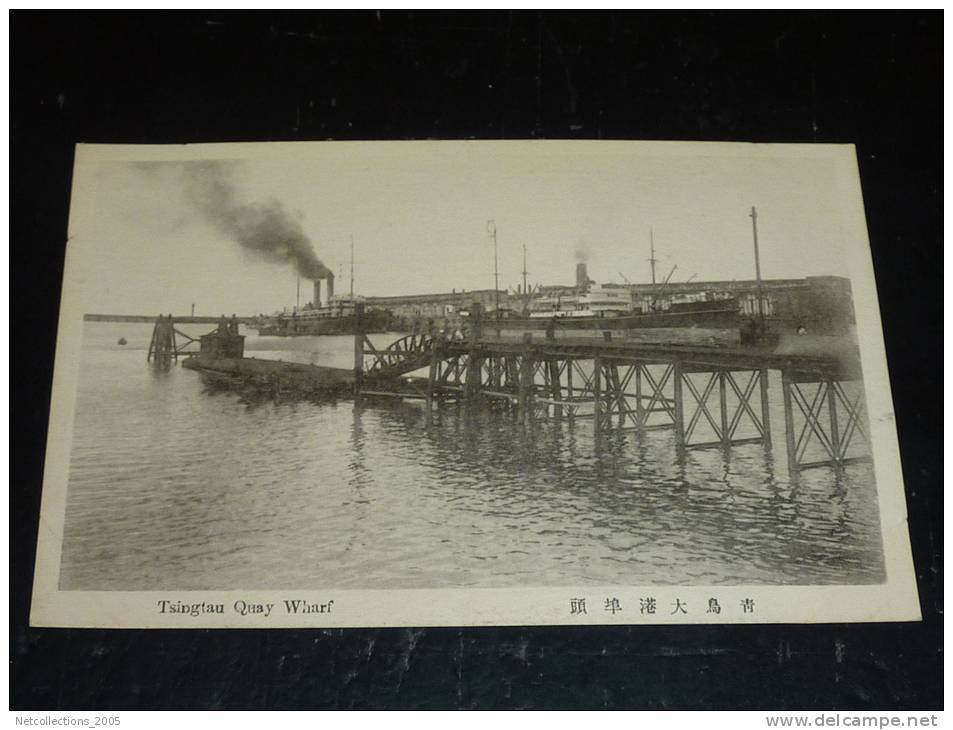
(470,383)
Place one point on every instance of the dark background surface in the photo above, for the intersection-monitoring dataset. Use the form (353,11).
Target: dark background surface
(866,78)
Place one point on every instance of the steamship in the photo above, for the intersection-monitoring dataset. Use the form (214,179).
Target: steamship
(599,309)
(590,306)
(334,317)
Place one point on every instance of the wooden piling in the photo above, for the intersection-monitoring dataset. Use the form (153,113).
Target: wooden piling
(789,425)
(677,374)
(555,386)
(570,389)
(512,374)
(162,347)
(474,375)
(152,340)
(614,382)
(765,408)
(525,405)
(639,415)
(723,407)
(432,377)
(597,394)
(358,348)
(476,321)
(835,426)
(474,358)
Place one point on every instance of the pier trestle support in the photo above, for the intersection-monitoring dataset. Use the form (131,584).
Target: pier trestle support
(708,397)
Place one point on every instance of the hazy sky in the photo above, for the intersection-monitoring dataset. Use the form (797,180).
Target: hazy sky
(143,240)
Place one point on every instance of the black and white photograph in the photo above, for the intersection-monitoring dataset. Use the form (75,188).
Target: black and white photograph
(544,382)
(537,359)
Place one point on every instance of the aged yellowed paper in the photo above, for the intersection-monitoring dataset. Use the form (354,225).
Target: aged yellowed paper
(470,383)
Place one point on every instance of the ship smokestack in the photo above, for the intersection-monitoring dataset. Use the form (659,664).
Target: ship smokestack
(317,293)
(330,280)
(582,276)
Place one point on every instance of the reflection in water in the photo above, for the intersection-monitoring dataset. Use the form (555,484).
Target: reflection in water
(181,483)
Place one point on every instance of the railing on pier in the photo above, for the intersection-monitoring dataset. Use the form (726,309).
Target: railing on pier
(709,396)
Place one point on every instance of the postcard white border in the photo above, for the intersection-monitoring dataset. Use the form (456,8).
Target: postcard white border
(894,600)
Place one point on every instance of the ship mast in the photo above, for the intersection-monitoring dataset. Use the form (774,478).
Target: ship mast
(652,259)
(491,229)
(525,297)
(757,261)
(525,272)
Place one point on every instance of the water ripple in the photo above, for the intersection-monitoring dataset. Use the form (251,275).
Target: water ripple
(177,485)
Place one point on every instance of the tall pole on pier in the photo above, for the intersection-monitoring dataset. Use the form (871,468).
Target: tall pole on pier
(757,260)
(352,266)
(298,294)
(525,272)
(491,229)
(652,261)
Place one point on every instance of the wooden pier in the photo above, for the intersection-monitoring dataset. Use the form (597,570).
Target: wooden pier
(708,396)
(168,342)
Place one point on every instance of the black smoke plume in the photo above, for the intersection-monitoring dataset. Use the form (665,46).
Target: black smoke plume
(582,252)
(264,228)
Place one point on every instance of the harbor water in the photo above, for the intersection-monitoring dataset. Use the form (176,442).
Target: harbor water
(176,484)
